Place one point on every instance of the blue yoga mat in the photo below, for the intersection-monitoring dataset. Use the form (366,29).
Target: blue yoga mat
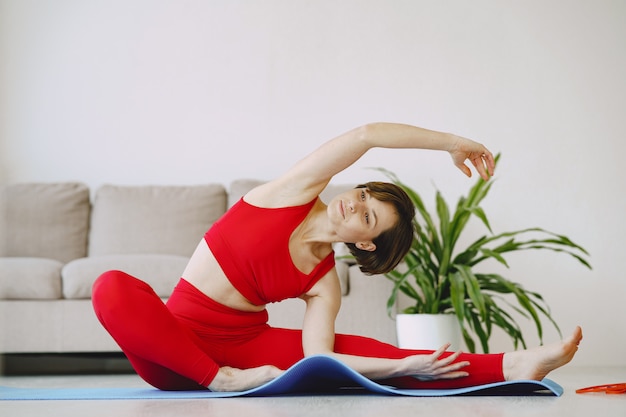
(313,375)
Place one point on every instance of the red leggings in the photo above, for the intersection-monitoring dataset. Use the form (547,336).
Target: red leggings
(181,345)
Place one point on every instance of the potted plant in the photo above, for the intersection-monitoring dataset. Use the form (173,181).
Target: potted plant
(440,278)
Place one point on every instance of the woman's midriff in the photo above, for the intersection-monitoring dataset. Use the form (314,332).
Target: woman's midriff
(204,272)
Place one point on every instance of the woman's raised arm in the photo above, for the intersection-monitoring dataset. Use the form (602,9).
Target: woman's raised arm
(308,177)
(341,152)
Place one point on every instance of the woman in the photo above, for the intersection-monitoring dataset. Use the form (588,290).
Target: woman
(275,243)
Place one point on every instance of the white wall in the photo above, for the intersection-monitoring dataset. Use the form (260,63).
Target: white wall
(180,92)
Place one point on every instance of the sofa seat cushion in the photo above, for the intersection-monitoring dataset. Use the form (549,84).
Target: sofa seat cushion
(161,272)
(23,278)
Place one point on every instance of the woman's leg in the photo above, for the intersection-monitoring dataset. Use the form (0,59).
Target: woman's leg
(283,348)
(482,368)
(163,352)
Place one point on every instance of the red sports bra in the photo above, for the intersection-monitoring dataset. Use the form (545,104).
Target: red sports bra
(251,244)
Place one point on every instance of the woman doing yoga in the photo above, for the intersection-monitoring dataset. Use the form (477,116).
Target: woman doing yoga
(275,243)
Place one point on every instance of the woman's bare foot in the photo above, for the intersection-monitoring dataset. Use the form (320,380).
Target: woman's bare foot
(536,363)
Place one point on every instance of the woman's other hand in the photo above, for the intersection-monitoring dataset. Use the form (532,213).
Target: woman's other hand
(433,366)
(234,379)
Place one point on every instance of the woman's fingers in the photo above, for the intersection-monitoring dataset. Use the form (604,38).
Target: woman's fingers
(452,367)
(449,363)
(448,359)
(443,368)
(437,366)
(484,164)
(436,354)
(441,371)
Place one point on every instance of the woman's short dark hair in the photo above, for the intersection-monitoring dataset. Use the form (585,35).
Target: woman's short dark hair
(392,244)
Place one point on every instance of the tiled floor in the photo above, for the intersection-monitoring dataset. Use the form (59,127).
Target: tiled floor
(570,404)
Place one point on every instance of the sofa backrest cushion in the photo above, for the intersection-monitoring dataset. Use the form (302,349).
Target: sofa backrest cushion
(153,219)
(240,187)
(44,220)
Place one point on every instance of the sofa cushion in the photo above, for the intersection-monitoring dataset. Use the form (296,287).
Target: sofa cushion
(161,272)
(240,187)
(44,220)
(153,219)
(30,278)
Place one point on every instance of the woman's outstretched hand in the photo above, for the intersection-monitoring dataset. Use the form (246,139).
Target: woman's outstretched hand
(431,367)
(234,379)
(479,156)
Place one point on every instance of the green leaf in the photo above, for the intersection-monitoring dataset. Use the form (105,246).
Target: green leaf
(457,295)
(493,254)
(469,341)
(472,287)
(483,336)
(444,227)
(479,212)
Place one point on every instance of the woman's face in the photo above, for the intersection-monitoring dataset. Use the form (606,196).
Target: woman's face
(359,218)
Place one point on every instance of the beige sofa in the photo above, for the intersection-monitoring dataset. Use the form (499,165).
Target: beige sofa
(55,240)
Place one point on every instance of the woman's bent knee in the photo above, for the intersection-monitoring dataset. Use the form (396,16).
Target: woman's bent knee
(115,282)
(112,288)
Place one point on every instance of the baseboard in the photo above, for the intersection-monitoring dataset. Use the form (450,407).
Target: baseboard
(64,364)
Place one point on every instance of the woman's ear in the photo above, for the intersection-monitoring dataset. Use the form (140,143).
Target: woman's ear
(366,246)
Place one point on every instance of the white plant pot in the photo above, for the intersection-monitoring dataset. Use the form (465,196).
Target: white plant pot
(428,331)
